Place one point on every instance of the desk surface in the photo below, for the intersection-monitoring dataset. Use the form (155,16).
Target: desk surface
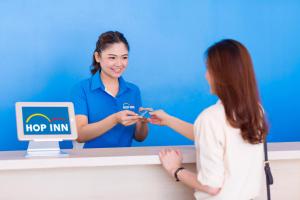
(15,160)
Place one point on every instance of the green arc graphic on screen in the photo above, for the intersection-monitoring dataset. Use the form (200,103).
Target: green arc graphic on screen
(35,115)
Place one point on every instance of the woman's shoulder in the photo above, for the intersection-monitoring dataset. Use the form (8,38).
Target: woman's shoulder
(214,111)
(211,121)
(132,86)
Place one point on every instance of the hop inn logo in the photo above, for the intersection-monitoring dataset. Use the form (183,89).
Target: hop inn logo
(127,106)
(45,121)
(42,127)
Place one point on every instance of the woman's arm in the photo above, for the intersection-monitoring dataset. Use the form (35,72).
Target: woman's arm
(161,118)
(190,179)
(141,130)
(90,131)
(171,161)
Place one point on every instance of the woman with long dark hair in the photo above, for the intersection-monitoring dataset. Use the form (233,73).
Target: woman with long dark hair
(229,135)
(106,105)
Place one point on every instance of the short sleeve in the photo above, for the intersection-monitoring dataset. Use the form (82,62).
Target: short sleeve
(79,99)
(138,98)
(210,142)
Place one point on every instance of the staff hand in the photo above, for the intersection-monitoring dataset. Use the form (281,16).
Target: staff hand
(126,117)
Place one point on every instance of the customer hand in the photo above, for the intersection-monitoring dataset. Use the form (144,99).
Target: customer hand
(171,160)
(126,117)
(159,117)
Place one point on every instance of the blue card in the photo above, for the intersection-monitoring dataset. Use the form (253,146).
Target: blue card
(144,113)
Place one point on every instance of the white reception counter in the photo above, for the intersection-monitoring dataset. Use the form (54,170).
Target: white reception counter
(123,173)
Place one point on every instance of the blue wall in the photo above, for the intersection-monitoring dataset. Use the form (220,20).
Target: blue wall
(46,47)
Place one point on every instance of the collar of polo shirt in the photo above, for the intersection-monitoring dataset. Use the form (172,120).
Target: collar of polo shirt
(97,83)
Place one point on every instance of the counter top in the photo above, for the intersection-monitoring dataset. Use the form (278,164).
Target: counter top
(15,160)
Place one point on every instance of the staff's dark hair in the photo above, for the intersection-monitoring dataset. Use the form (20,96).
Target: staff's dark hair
(105,40)
(230,66)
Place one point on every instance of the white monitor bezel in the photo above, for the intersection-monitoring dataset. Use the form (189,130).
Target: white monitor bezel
(48,137)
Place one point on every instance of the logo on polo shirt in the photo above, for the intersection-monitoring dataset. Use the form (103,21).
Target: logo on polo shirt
(127,106)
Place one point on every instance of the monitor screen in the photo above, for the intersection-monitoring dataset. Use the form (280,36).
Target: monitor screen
(45,120)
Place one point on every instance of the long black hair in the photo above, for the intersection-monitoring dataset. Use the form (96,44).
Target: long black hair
(105,40)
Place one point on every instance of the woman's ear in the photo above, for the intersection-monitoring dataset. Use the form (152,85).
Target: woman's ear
(97,57)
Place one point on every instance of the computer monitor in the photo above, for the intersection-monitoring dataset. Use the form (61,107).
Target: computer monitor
(44,124)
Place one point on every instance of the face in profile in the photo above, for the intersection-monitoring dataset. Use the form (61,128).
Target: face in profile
(113,59)
(210,81)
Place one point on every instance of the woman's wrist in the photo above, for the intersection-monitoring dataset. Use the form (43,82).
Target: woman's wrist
(114,118)
(171,171)
(176,173)
(169,120)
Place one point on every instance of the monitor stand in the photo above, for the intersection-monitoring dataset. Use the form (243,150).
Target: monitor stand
(44,148)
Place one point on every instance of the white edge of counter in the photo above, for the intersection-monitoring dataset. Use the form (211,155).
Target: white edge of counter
(15,160)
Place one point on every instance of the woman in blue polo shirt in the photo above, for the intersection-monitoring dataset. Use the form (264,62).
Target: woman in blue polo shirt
(106,105)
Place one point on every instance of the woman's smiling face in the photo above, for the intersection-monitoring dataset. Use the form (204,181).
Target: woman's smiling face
(113,59)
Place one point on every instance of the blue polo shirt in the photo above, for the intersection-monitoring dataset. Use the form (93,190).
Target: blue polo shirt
(90,99)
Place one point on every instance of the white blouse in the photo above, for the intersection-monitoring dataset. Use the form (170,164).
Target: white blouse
(224,159)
